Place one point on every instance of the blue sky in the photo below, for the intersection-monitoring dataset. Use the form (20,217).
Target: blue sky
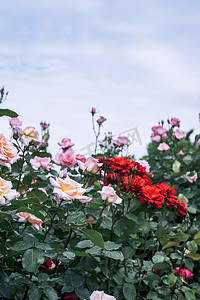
(137,62)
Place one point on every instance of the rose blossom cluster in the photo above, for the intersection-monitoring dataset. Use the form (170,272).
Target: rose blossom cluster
(26,135)
(38,162)
(158,132)
(67,158)
(132,177)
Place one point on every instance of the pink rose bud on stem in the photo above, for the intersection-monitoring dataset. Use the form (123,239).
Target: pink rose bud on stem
(14,122)
(174,122)
(101,120)
(93,111)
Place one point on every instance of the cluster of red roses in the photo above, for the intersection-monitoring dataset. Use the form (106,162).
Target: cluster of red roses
(132,177)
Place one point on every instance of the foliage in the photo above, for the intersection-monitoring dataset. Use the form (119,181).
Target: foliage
(128,249)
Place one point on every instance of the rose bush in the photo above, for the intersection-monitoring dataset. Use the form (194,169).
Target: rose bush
(102,227)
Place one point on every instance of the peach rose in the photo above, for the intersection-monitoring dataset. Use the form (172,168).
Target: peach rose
(91,165)
(68,189)
(33,220)
(100,295)
(6,193)
(8,152)
(109,194)
(29,134)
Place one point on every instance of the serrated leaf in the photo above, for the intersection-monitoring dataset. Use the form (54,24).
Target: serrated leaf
(94,236)
(22,245)
(112,246)
(194,256)
(170,244)
(32,259)
(50,293)
(176,166)
(192,246)
(114,255)
(183,237)
(129,291)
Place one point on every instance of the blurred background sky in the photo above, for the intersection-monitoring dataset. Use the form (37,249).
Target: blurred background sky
(137,62)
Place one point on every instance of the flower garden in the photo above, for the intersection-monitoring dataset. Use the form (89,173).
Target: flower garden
(103,227)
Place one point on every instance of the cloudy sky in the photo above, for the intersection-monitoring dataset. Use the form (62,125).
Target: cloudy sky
(137,62)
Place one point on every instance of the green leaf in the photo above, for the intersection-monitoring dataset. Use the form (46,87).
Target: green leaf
(8,112)
(129,291)
(43,246)
(194,256)
(176,166)
(50,293)
(187,159)
(112,246)
(37,194)
(114,255)
(162,266)
(85,244)
(32,259)
(82,293)
(22,245)
(120,228)
(70,255)
(171,279)
(170,244)
(35,293)
(145,227)
(94,236)
(183,237)
(76,217)
(192,246)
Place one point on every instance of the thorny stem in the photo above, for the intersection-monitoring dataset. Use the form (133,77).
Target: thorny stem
(20,173)
(96,134)
(52,219)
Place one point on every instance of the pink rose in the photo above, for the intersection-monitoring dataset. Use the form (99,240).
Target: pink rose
(181,152)
(66,143)
(91,165)
(179,134)
(14,122)
(145,164)
(109,194)
(101,120)
(184,272)
(174,122)
(163,147)
(65,159)
(198,143)
(81,158)
(158,132)
(93,110)
(44,162)
(100,295)
(121,141)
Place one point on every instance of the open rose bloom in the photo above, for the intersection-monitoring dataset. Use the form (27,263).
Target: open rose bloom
(15,122)
(29,134)
(6,192)
(65,159)
(100,295)
(44,162)
(25,217)
(8,152)
(179,134)
(158,132)
(66,144)
(91,165)
(163,147)
(184,272)
(121,141)
(109,194)
(68,189)
(174,122)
